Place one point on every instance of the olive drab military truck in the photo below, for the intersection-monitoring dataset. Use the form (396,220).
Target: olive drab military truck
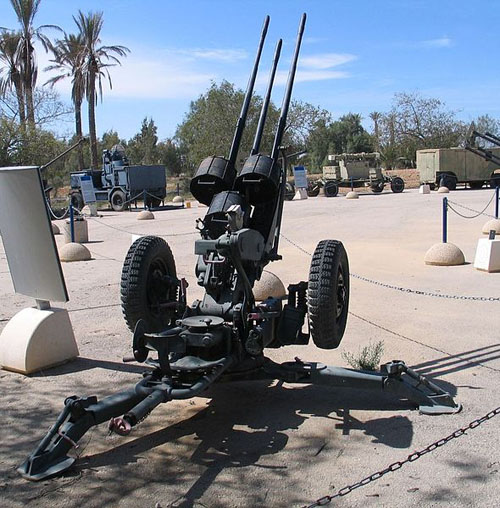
(451,166)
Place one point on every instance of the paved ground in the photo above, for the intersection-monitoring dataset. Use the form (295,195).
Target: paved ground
(247,445)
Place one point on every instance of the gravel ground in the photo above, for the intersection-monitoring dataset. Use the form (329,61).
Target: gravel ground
(275,444)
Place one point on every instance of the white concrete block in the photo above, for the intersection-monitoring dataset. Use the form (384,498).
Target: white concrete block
(300,194)
(487,255)
(81,231)
(37,339)
(424,189)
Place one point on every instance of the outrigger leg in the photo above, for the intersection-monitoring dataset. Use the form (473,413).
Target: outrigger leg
(394,377)
(80,414)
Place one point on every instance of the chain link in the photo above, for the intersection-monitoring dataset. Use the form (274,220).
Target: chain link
(406,290)
(471,209)
(322,501)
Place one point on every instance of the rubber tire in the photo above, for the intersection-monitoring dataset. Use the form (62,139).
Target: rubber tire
(377,188)
(397,185)
(147,254)
(117,201)
(76,200)
(475,185)
(327,323)
(312,191)
(331,189)
(448,181)
(495,181)
(289,191)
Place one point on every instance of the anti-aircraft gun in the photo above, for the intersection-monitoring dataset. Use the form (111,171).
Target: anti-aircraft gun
(223,337)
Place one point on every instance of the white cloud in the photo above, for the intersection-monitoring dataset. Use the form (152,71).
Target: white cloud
(149,74)
(303,76)
(220,55)
(442,42)
(326,60)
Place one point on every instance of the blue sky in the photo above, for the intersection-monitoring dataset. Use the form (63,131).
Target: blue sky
(355,55)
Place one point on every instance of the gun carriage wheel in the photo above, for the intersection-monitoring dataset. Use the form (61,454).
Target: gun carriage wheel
(377,188)
(328,294)
(289,191)
(118,200)
(331,189)
(76,200)
(397,185)
(149,284)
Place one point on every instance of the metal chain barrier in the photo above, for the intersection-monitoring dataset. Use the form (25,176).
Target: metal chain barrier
(53,214)
(472,210)
(400,463)
(407,290)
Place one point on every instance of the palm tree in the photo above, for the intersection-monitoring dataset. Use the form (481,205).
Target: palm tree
(376,116)
(26,11)
(69,55)
(11,79)
(96,63)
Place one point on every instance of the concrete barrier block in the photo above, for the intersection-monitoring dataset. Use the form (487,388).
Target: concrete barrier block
(36,339)
(487,255)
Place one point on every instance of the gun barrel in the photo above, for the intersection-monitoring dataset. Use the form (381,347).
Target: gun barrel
(235,146)
(288,92)
(492,138)
(267,99)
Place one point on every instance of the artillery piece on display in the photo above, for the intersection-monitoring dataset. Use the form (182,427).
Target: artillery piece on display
(223,337)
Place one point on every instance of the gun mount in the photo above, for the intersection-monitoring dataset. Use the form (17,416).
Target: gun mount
(223,336)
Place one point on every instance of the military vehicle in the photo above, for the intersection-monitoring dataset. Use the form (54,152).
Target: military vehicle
(119,183)
(451,166)
(223,336)
(357,170)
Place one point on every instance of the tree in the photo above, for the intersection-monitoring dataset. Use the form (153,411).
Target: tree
(97,60)
(170,155)
(26,11)
(10,74)
(208,127)
(376,117)
(142,147)
(68,61)
(420,122)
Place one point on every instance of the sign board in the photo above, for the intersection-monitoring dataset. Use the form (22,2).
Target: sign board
(27,235)
(87,187)
(300,175)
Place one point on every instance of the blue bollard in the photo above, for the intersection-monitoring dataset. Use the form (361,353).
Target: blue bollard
(71,223)
(497,191)
(445,220)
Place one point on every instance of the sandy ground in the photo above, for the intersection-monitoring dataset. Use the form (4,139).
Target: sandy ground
(260,444)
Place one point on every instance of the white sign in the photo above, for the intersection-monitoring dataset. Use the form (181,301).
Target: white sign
(87,187)
(28,240)
(300,175)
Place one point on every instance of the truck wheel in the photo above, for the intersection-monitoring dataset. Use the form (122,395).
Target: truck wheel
(331,189)
(118,199)
(289,191)
(377,188)
(495,181)
(475,185)
(328,294)
(76,200)
(397,185)
(448,181)
(149,284)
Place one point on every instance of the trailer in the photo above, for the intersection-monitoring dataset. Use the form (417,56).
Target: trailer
(118,183)
(355,170)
